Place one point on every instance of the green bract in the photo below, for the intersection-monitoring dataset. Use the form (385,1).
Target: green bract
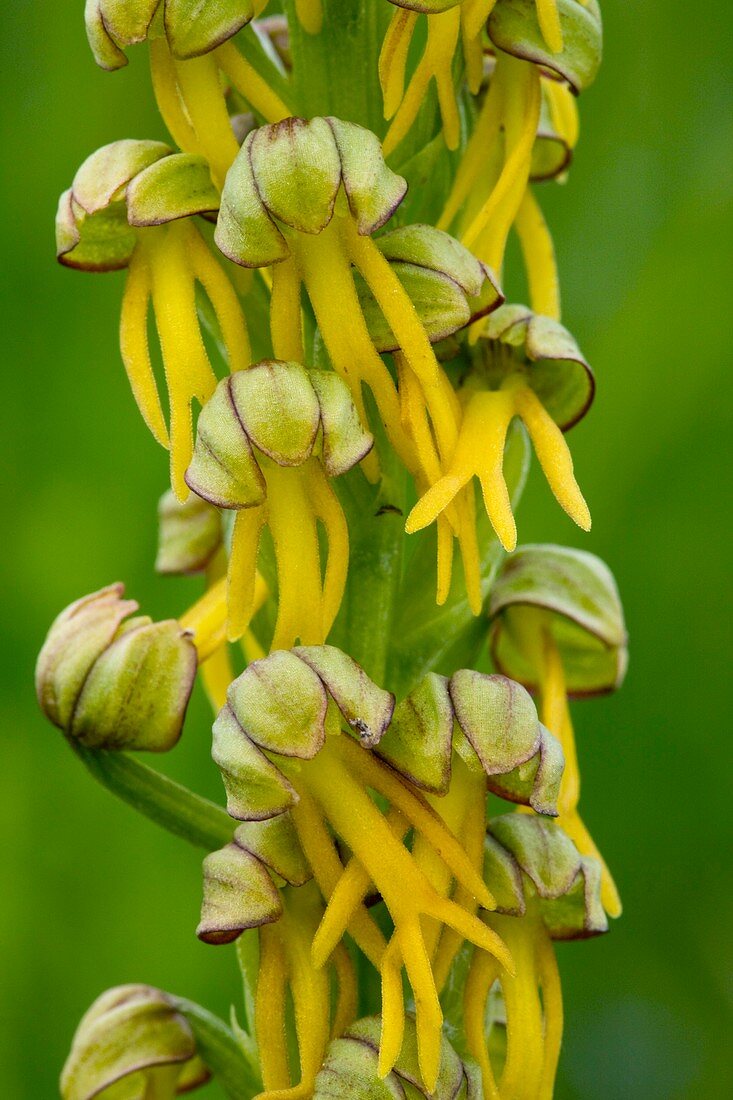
(287,176)
(112,684)
(514,27)
(315,416)
(577,597)
(132,1042)
(121,187)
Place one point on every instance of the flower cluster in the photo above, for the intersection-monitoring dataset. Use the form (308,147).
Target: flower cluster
(335,367)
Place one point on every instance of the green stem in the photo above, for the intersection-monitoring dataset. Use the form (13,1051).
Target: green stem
(164,801)
(220,1050)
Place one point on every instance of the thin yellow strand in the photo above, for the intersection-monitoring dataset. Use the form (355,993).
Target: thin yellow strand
(549,20)
(539,257)
(134,345)
(393,58)
(223,298)
(286,318)
(242,573)
(250,85)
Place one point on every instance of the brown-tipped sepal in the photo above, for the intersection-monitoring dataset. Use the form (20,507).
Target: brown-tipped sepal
(127,1039)
(566,883)
(112,684)
(238,894)
(577,600)
(289,174)
(446,284)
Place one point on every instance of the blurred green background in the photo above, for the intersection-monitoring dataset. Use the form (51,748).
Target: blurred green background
(91,895)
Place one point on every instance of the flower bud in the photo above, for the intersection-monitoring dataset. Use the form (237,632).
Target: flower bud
(517,340)
(278,706)
(125,185)
(132,1033)
(189,535)
(351,1068)
(497,731)
(315,415)
(566,883)
(289,174)
(192,28)
(112,684)
(447,285)
(576,595)
(514,26)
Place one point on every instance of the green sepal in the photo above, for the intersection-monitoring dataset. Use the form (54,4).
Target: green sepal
(278,409)
(224,470)
(190,534)
(130,1033)
(280,702)
(514,27)
(419,740)
(275,843)
(504,878)
(567,884)
(372,189)
(522,760)
(113,24)
(428,7)
(136,693)
(577,599)
(446,284)
(291,172)
(238,420)
(515,339)
(245,233)
(105,174)
(238,894)
(297,171)
(76,639)
(177,186)
(344,442)
(366,708)
(193,28)
(256,789)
